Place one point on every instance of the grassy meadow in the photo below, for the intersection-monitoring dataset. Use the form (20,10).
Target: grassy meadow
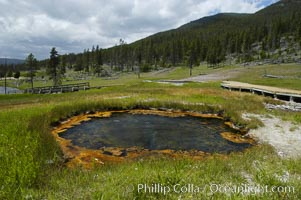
(290,76)
(32,163)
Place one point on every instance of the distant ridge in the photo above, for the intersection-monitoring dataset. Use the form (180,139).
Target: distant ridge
(270,35)
(10,61)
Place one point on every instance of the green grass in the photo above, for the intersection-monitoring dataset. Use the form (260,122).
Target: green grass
(291,76)
(182,72)
(126,78)
(291,73)
(121,181)
(31,162)
(24,150)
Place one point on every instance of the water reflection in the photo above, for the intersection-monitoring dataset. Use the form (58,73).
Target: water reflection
(9,90)
(153,132)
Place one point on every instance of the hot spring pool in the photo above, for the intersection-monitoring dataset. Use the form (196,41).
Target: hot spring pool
(154,132)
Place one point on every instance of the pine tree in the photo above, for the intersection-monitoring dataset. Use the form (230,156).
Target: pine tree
(192,57)
(98,60)
(53,68)
(31,63)
(93,57)
(17,74)
(139,59)
(79,63)
(86,60)
(63,63)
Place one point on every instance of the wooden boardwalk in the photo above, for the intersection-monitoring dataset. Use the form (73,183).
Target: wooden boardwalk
(58,89)
(274,92)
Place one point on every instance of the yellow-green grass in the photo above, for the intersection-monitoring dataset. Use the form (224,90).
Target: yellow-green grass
(291,76)
(259,166)
(32,168)
(182,72)
(32,164)
(95,81)
(128,77)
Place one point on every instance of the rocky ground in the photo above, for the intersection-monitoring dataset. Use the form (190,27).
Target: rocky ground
(288,106)
(284,136)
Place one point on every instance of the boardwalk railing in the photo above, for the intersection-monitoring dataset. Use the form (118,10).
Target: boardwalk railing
(59,89)
(284,96)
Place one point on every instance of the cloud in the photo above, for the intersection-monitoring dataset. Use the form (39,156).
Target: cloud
(72,25)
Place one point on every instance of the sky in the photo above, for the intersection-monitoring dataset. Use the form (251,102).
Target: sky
(31,26)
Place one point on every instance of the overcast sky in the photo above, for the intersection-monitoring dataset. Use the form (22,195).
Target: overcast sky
(74,25)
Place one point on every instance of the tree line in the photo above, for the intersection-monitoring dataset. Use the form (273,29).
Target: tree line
(207,40)
(228,34)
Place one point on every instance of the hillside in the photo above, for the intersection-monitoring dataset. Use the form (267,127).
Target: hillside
(281,8)
(272,35)
(228,33)
(10,61)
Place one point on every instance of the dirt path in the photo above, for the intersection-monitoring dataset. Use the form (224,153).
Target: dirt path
(224,75)
(217,76)
(162,71)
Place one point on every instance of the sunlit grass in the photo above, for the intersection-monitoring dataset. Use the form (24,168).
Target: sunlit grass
(254,167)
(290,73)
(31,163)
